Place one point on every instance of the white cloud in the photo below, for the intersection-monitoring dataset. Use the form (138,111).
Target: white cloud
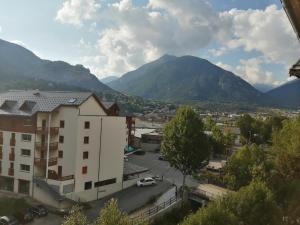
(252,71)
(76,11)
(139,34)
(143,34)
(0,29)
(266,31)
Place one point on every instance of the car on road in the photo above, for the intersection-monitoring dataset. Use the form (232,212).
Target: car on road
(148,181)
(39,211)
(8,220)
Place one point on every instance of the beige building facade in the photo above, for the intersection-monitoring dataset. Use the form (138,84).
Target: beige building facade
(67,146)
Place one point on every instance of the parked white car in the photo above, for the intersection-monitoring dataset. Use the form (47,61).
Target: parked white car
(148,181)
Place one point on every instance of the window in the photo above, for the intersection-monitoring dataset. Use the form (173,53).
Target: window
(24,167)
(85,155)
(87,125)
(25,137)
(61,139)
(84,170)
(88,185)
(62,124)
(60,154)
(86,140)
(25,152)
(105,182)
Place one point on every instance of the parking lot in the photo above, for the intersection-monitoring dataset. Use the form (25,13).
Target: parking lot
(162,168)
(135,197)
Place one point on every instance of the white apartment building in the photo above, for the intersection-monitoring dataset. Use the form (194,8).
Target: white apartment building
(60,146)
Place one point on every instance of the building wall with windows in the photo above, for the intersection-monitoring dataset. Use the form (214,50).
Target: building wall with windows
(76,149)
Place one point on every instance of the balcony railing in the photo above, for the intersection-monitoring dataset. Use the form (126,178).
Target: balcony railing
(42,162)
(12,156)
(11,171)
(44,130)
(53,146)
(52,175)
(12,142)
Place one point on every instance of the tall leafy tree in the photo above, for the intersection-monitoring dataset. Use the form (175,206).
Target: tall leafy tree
(184,143)
(214,214)
(286,148)
(254,205)
(249,163)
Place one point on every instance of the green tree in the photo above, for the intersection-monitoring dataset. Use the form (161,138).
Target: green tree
(214,214)
(184,143)
(286,147)
(245,124)
(111,215)
(75,218)
(253,205)
(246,164)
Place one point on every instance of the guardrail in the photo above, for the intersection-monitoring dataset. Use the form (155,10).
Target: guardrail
(156,209)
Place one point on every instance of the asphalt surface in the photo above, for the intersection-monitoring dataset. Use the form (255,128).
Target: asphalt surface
(134,198)
(162,168)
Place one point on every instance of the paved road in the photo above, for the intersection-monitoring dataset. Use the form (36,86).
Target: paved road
(130,199)
(161,168)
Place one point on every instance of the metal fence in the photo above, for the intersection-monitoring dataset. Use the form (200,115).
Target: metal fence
(156,209)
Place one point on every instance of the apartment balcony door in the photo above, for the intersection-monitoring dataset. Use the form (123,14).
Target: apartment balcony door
(24,187)
(59,171)
(43,140)
(44,124)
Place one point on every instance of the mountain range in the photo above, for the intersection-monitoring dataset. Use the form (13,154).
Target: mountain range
(185,79)
(288,94)
(19,62)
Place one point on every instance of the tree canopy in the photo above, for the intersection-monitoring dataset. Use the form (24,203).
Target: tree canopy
(245,165)
(251,205)
(286,147)
(184,143)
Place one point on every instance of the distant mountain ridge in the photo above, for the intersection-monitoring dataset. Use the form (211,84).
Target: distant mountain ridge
(17,61)
(288,94)
(187,79)
(108,79)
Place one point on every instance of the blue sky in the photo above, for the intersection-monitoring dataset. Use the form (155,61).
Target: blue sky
(251,38)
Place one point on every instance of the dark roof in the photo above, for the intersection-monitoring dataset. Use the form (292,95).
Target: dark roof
(295,70)
(108,104)
(27,103)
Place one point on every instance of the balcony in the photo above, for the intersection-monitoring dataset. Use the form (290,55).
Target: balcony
(12,156)
(11,171)
(52,175)
(44,130)
(12,142)
(43,146)
(42,162)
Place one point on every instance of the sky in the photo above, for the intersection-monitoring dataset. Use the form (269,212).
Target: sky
(252,38)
